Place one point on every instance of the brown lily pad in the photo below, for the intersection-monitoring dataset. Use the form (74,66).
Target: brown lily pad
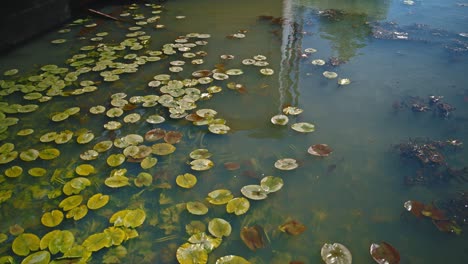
(253,237)
(321,150)
(384,253)
(155,134)
(293,227)
(173,137)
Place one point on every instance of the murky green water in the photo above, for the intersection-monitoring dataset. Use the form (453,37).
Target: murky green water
(354,197)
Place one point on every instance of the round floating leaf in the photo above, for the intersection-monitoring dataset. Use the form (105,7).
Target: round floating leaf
(286,164)
(85,138)
(63,137)
(310,50)
(271,184)
(8,157)
(103,146)
(292,110)
(318,62)
(52,218)
(173,137)
(116,234)
(89,155)
(97,201)
(219,129)
(232,259)
(40,257)
(155,119)
(155,134)
(25,132)
(72,110)
(220,196)
(219,227)
(115,160)
(208,242)
(78,212)
(201,164)
(254,192)
(25,243)
(336,253)
(59,117)
(186,180)
(192,254)
(280,120)
(48,137)
(132,118)
(112,125)
(57,241)
(143,179)
(321,150)
(37,172)
(76,185)
(303,127)
(200,154)
(98,109)
(97,242)
(344,81)
(196,208)
(85,169)
(384,253)
(292,227)
(10,72)
(267,71)
(116,181)
(29,155)
(134,218)
(330,75)
(114,112)
(71,202)
(238,206)
(14,171)
(163,149)
(195,227)
(148,162)
(49,153)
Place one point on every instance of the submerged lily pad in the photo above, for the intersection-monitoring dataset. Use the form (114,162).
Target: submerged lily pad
(220,196)
(336,253)
(253,237)
(321,150)
(303,127)
(52,218)
(280,120)
(201,164)
(197,208)
(97,201)
(292,227)
(173,137)
(384,253)
(186,180)
(286,164)
(254,192)
(238,206)
(219,227)
(271,184)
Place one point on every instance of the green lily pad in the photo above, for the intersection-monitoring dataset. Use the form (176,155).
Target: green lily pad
(201,164)
(116,181)
(220,196)
(143,179)
(303,127)
(238,206)
(148,162)
(40,257)
(14,171)
(28,108)
(60,117)
(76,185)
(115,160)
(271,184)
(267,71)
(78,212)
(209,243)
(318,62)
(48,137)
(98,109)
(90,154)
(97,201)
(71,202)
(85,138)
(5,195)
(72,110)
(132,118)
(10,72)
(112,125)
(116,234)
(163,149)
(192,254)
(200,154)
(57,241)
(330,75)
(155,119)
(103,146)
(63,137)
(186,180)
(232,259)
(97,242)
(49,153)
(52,218)
(219,129)
(37,172)
(197,208)
(286,164)
(25,243)
(114,112)
(8,157)
(219,227)
(85,169)
(280,120)
(25,132)
(254,192)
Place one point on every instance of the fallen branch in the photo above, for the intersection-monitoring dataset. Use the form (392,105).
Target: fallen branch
(102,14)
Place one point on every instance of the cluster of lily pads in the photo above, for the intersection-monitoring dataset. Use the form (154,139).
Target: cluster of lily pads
(326,74)
(283,119)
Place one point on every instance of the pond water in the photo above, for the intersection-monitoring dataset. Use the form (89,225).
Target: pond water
(396,54)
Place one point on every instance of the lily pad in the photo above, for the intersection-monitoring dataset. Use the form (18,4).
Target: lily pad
(116,181)
(155,134)
(209,243)
(286,164)
(37,172)
(143,179)
(232,259)
(63,137)
(49,153)
(103,146)
(57,241)
(78,212)
(25,243)
(192,254)
(25,132)
(238,206)
(280,120)
(219,129)
(271,184)
(219,227)
(186,180)
(330,75)
(197,208)
(97,201)
(220,196)
(253,237)
(292,227)
(321,150)
(200,154)
(115,160)
(344,81)
(85,138)
(336,253)
(98,109)
(48,137)
(173,137)
(71,202)
(292,110)
(59,117)
(163,149)
(134,218)
(318,62)
(254,192)
(97,242)
(303,127)
(201,164)
(52,218)
(148,162)
(132,118)
(112,125)
(40,257)
(155,119)
(384,253)
(85,169)
(14,171)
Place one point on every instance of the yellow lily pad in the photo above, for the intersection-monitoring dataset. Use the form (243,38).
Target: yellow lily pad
(232,259)
(116,181)
(8,157)
(220,196)
(71,202)
(52,218)
(134,218)
(63,137)
(103,146)
(40,257)
(59,117)
(148,162)
(48,137)
(201,164)
(37,172)
(25,132)
(96,242)
(116,234)
(78,212)
(163,149)
(75,185)
(219,227)
(25,243)
(29,155)
(186,180)
(97,201)
(197,208)
(14,171)
(117,217)
(238,206)
(57,241)
(85,138)
(189,253)
(49,153)
(85,169)
(115,160)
